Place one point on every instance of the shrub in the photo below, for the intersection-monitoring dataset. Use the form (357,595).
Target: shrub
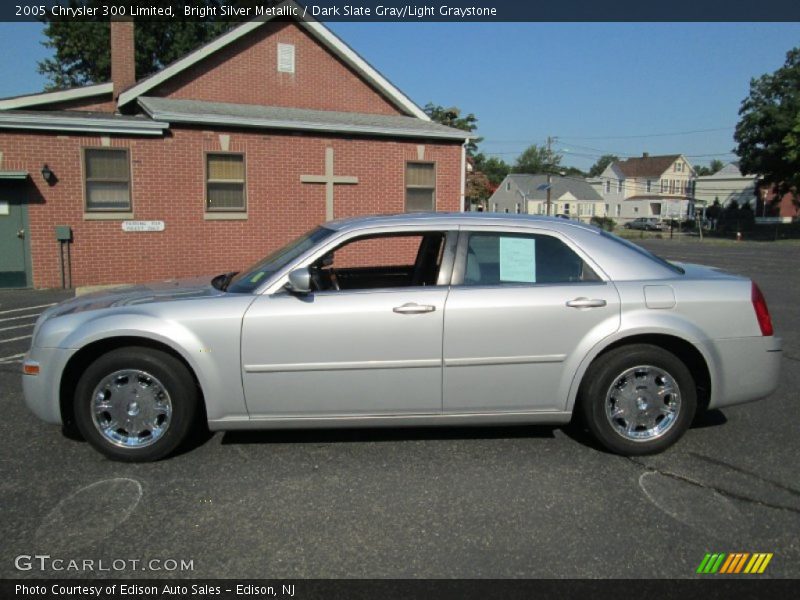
(606,223)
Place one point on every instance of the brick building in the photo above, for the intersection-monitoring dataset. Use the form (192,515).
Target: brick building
(214,161)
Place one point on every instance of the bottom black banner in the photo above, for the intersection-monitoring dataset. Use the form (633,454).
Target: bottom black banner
(388,589)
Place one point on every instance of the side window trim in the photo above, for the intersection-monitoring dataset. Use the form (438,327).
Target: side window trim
(460,264)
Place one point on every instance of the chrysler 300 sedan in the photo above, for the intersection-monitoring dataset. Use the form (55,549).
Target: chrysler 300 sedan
(418,319)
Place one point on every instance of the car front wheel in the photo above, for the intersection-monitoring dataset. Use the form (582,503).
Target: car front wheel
(135,404)
(638,399)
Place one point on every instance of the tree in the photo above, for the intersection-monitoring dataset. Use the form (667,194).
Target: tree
(452,118)
(602,163)
(767,133)
(495,168)
(82,50)
(713,167)
(536,159)
(478,187)
(573,172)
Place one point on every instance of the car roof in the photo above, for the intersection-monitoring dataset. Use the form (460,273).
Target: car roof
(440,219)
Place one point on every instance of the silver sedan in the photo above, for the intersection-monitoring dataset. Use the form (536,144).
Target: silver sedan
(418,319)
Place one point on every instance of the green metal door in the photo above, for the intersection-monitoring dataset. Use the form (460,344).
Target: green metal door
(14,263)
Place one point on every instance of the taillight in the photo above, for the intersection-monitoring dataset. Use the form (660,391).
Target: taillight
(762,312)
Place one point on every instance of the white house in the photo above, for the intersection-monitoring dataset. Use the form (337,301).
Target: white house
(571,197)
(726,185)
(648,186)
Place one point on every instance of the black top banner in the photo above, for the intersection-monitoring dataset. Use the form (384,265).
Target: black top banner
(404,11)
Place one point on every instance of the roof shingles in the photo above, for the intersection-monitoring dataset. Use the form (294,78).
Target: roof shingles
(647,166)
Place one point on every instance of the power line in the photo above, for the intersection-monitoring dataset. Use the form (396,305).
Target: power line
(646,135)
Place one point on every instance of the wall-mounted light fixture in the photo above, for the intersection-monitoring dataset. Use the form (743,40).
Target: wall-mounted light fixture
(47,174)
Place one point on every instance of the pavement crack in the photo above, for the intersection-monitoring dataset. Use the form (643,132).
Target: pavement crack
(722,463)
(791,357)
(721,491)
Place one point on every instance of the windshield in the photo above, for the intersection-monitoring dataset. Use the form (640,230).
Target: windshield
(248,280)
(643,252)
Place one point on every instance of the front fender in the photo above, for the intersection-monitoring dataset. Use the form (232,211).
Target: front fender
(210,347)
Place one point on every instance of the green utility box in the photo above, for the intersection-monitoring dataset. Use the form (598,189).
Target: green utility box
(63,233)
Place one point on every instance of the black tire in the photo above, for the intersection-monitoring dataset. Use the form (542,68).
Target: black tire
(606,369)
(176,380)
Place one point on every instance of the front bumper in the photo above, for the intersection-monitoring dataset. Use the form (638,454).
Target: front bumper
(747,369)
(42,392)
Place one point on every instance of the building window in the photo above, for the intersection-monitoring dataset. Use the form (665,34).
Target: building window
(107,176)
(285,58)
(518,208)
(671,186)
(421,187)
(636,209)
(495,207)
(679,167)
(663,186)
(608,186)
(225,182)
(620,183)
(566,208)
(649,186)
(618,209)
(606,209)
(508,186)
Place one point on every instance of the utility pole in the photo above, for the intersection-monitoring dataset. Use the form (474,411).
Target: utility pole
(549,177)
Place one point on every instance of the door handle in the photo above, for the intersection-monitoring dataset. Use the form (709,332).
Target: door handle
(21,234)
(586,303)
(412,308)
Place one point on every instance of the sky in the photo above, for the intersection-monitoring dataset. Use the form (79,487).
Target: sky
(620,88)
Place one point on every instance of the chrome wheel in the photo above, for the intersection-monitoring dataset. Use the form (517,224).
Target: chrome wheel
(131,408)
(643,403)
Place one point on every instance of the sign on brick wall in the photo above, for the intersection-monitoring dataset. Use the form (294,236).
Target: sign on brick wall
(143,226)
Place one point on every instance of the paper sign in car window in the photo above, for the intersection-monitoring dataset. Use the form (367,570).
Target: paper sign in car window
(517,260)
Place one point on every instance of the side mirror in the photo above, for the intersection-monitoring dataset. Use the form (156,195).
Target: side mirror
(299,281)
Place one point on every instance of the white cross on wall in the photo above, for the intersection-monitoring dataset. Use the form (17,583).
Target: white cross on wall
(329,179)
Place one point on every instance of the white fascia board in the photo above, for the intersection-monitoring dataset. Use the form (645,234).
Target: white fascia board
(54,97)
(187,61)
(231,121)
(53,123)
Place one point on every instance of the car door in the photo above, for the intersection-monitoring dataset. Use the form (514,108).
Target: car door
(524,309)
(374,348)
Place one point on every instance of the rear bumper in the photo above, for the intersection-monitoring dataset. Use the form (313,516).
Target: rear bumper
(42,391)
(747,369)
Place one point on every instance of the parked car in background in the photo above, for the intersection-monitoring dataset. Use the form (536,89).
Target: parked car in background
(645,224)
(407,320)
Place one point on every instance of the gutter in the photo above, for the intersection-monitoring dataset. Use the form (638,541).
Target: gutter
(262,123)
(9,120)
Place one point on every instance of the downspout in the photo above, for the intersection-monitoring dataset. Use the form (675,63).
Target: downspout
(463,175)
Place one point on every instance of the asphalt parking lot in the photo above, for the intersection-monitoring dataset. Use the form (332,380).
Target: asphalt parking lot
(484,502)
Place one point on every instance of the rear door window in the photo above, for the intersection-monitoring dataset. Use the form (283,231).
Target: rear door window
(522,259)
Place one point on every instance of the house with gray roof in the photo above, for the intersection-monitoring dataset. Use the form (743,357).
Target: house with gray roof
(571,197)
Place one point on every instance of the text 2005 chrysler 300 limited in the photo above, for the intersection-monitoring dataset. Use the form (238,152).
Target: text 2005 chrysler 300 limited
(415,319)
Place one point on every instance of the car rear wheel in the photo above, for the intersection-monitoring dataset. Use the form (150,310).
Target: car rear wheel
(638,399)
(135,404)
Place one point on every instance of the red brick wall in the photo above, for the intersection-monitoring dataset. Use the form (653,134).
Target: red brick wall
(95,104)
(123,55)
(246,73)
(168,184)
